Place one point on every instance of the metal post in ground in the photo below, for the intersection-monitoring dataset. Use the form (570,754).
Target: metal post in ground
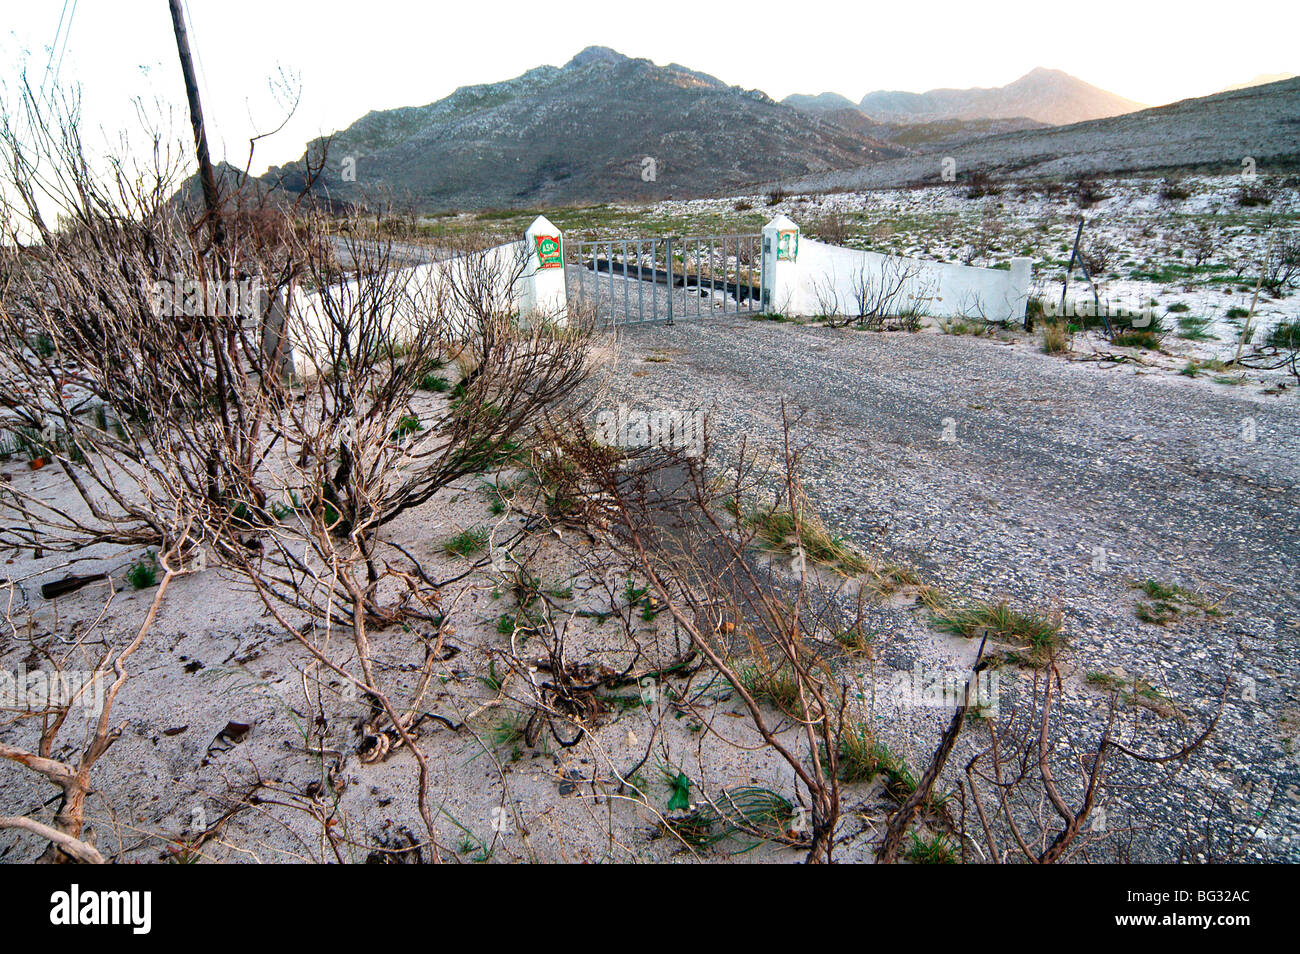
(668,254)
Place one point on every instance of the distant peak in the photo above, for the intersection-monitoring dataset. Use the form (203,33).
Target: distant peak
(595,54)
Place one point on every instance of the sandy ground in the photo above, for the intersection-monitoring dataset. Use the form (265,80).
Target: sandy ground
(236,747)
(998,471)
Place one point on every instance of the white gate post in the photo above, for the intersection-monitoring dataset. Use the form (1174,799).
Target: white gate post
(541,286)
(780,265)
(1020,275)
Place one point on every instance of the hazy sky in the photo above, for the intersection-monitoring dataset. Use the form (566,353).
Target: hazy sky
(357,55)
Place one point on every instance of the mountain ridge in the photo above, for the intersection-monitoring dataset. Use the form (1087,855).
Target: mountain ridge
(1214,131)
(1045,95)
(581,132)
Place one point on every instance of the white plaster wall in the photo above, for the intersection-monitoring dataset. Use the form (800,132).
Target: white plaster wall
(417,294)
(938,289)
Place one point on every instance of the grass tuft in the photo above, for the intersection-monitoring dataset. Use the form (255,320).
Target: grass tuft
(936,849)
(1056,338)
(1034,636)
(467,542)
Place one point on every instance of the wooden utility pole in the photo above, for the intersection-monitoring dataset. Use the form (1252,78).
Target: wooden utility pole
(206,176)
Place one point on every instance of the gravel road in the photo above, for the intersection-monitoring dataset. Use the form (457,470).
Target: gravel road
(1007,473)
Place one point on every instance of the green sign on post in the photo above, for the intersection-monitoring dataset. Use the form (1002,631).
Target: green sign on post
(549,253)
(787,245)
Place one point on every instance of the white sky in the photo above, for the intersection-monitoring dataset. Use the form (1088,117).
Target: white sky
(357,55)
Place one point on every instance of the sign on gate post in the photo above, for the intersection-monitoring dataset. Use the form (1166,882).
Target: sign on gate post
(541,292)
(780,264)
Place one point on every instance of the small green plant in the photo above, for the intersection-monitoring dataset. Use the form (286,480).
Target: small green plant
(42,344)
(492,681)
(779,528)
(680,786)
(407,425)
(467,542)
(143,573)
(863,758)
(965,326)
(1103,680)
(937,849)
(508,733)
(1158,614)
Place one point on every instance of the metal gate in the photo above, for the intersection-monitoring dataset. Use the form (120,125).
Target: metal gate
(637,280)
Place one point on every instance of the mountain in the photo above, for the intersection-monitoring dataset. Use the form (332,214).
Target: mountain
(1048,96)
(910,135)
(1263,79)
(828,101)
(581,133)
(1209,132)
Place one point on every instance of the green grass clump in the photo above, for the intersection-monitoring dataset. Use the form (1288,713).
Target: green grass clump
(1056,338)
(1193,328)
(777,686)
(143,573)
(1285,336)
(853,640)
(779,528)
(1037,635)
(1133,338)
(509,734)
(1136,692)
(1167,602)
(467,542)
(936,849)
(965,326)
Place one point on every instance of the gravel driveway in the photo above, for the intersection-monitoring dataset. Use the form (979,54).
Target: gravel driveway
(1007,473)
